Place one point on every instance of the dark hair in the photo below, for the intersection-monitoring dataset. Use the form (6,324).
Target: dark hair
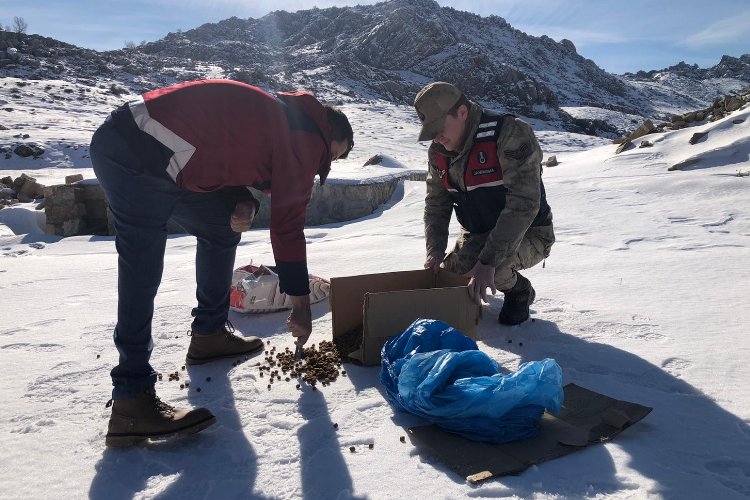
(341,129)
(462,101)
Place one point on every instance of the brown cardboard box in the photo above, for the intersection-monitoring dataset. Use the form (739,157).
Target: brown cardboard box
(385,304)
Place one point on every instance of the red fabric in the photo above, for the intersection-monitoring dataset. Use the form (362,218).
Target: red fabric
(242,138)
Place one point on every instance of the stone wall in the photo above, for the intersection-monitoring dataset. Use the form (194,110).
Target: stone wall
(76,207)
(340,202)
(80,206)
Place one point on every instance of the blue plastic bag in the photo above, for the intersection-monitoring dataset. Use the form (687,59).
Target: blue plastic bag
(436,372)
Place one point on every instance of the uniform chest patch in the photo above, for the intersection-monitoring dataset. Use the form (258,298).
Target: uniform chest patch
(484,171)
(482,157)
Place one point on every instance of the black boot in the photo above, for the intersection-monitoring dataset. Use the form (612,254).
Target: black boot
(517,301)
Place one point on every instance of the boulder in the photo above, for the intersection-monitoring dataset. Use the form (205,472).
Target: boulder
(623,147)
(733,103)
(374,160)
(26,150)
(31,190)
(7,193)
(697,137)
(19,181)
(646,127)
(552,161)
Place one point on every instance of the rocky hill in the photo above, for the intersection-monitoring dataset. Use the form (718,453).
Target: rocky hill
(386,51)
(728,67)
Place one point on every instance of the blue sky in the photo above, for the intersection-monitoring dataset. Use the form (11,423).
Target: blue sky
(619,37)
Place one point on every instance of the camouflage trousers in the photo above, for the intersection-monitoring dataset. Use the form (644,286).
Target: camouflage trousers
(535,247)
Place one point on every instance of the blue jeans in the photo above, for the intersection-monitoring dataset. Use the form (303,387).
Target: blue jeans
(142,199)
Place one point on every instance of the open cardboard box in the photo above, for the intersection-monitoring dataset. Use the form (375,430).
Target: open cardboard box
(385,304)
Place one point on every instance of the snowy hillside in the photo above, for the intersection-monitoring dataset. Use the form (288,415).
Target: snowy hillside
(61,116)
(644,298)
(386,52)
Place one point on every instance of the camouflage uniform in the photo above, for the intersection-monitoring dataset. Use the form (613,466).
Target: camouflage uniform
(523,235)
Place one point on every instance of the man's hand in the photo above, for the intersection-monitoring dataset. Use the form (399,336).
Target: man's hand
(300,319)
(482,277)
(433,262)
(242,217)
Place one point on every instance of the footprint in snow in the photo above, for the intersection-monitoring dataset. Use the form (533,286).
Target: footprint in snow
(675,366)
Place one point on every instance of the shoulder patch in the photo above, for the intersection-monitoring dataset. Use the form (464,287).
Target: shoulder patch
(519,154)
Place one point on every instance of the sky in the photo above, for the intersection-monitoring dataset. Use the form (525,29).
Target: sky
(642,35)
(643,298)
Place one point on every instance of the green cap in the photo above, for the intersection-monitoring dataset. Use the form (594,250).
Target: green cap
(433,103)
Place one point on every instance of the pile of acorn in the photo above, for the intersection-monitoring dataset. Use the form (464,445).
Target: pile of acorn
(318,364)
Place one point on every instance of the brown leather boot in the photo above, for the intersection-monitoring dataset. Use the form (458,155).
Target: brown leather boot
(223,344)
(145,416)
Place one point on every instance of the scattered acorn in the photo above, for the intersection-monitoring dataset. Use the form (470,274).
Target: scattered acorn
(371,445)
(402,439)
(352,449)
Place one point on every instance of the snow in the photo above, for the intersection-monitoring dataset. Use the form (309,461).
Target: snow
(644,298)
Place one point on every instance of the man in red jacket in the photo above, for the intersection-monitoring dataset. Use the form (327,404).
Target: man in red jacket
(189,152)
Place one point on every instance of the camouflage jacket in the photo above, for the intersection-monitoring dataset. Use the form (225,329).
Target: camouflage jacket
(505,204)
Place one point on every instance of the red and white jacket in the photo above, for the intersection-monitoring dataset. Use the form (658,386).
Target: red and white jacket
(224,133)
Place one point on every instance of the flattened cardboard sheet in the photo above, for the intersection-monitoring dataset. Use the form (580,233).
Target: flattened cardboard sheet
(586,417)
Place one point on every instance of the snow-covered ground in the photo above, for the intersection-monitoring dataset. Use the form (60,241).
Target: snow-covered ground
(644,298)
